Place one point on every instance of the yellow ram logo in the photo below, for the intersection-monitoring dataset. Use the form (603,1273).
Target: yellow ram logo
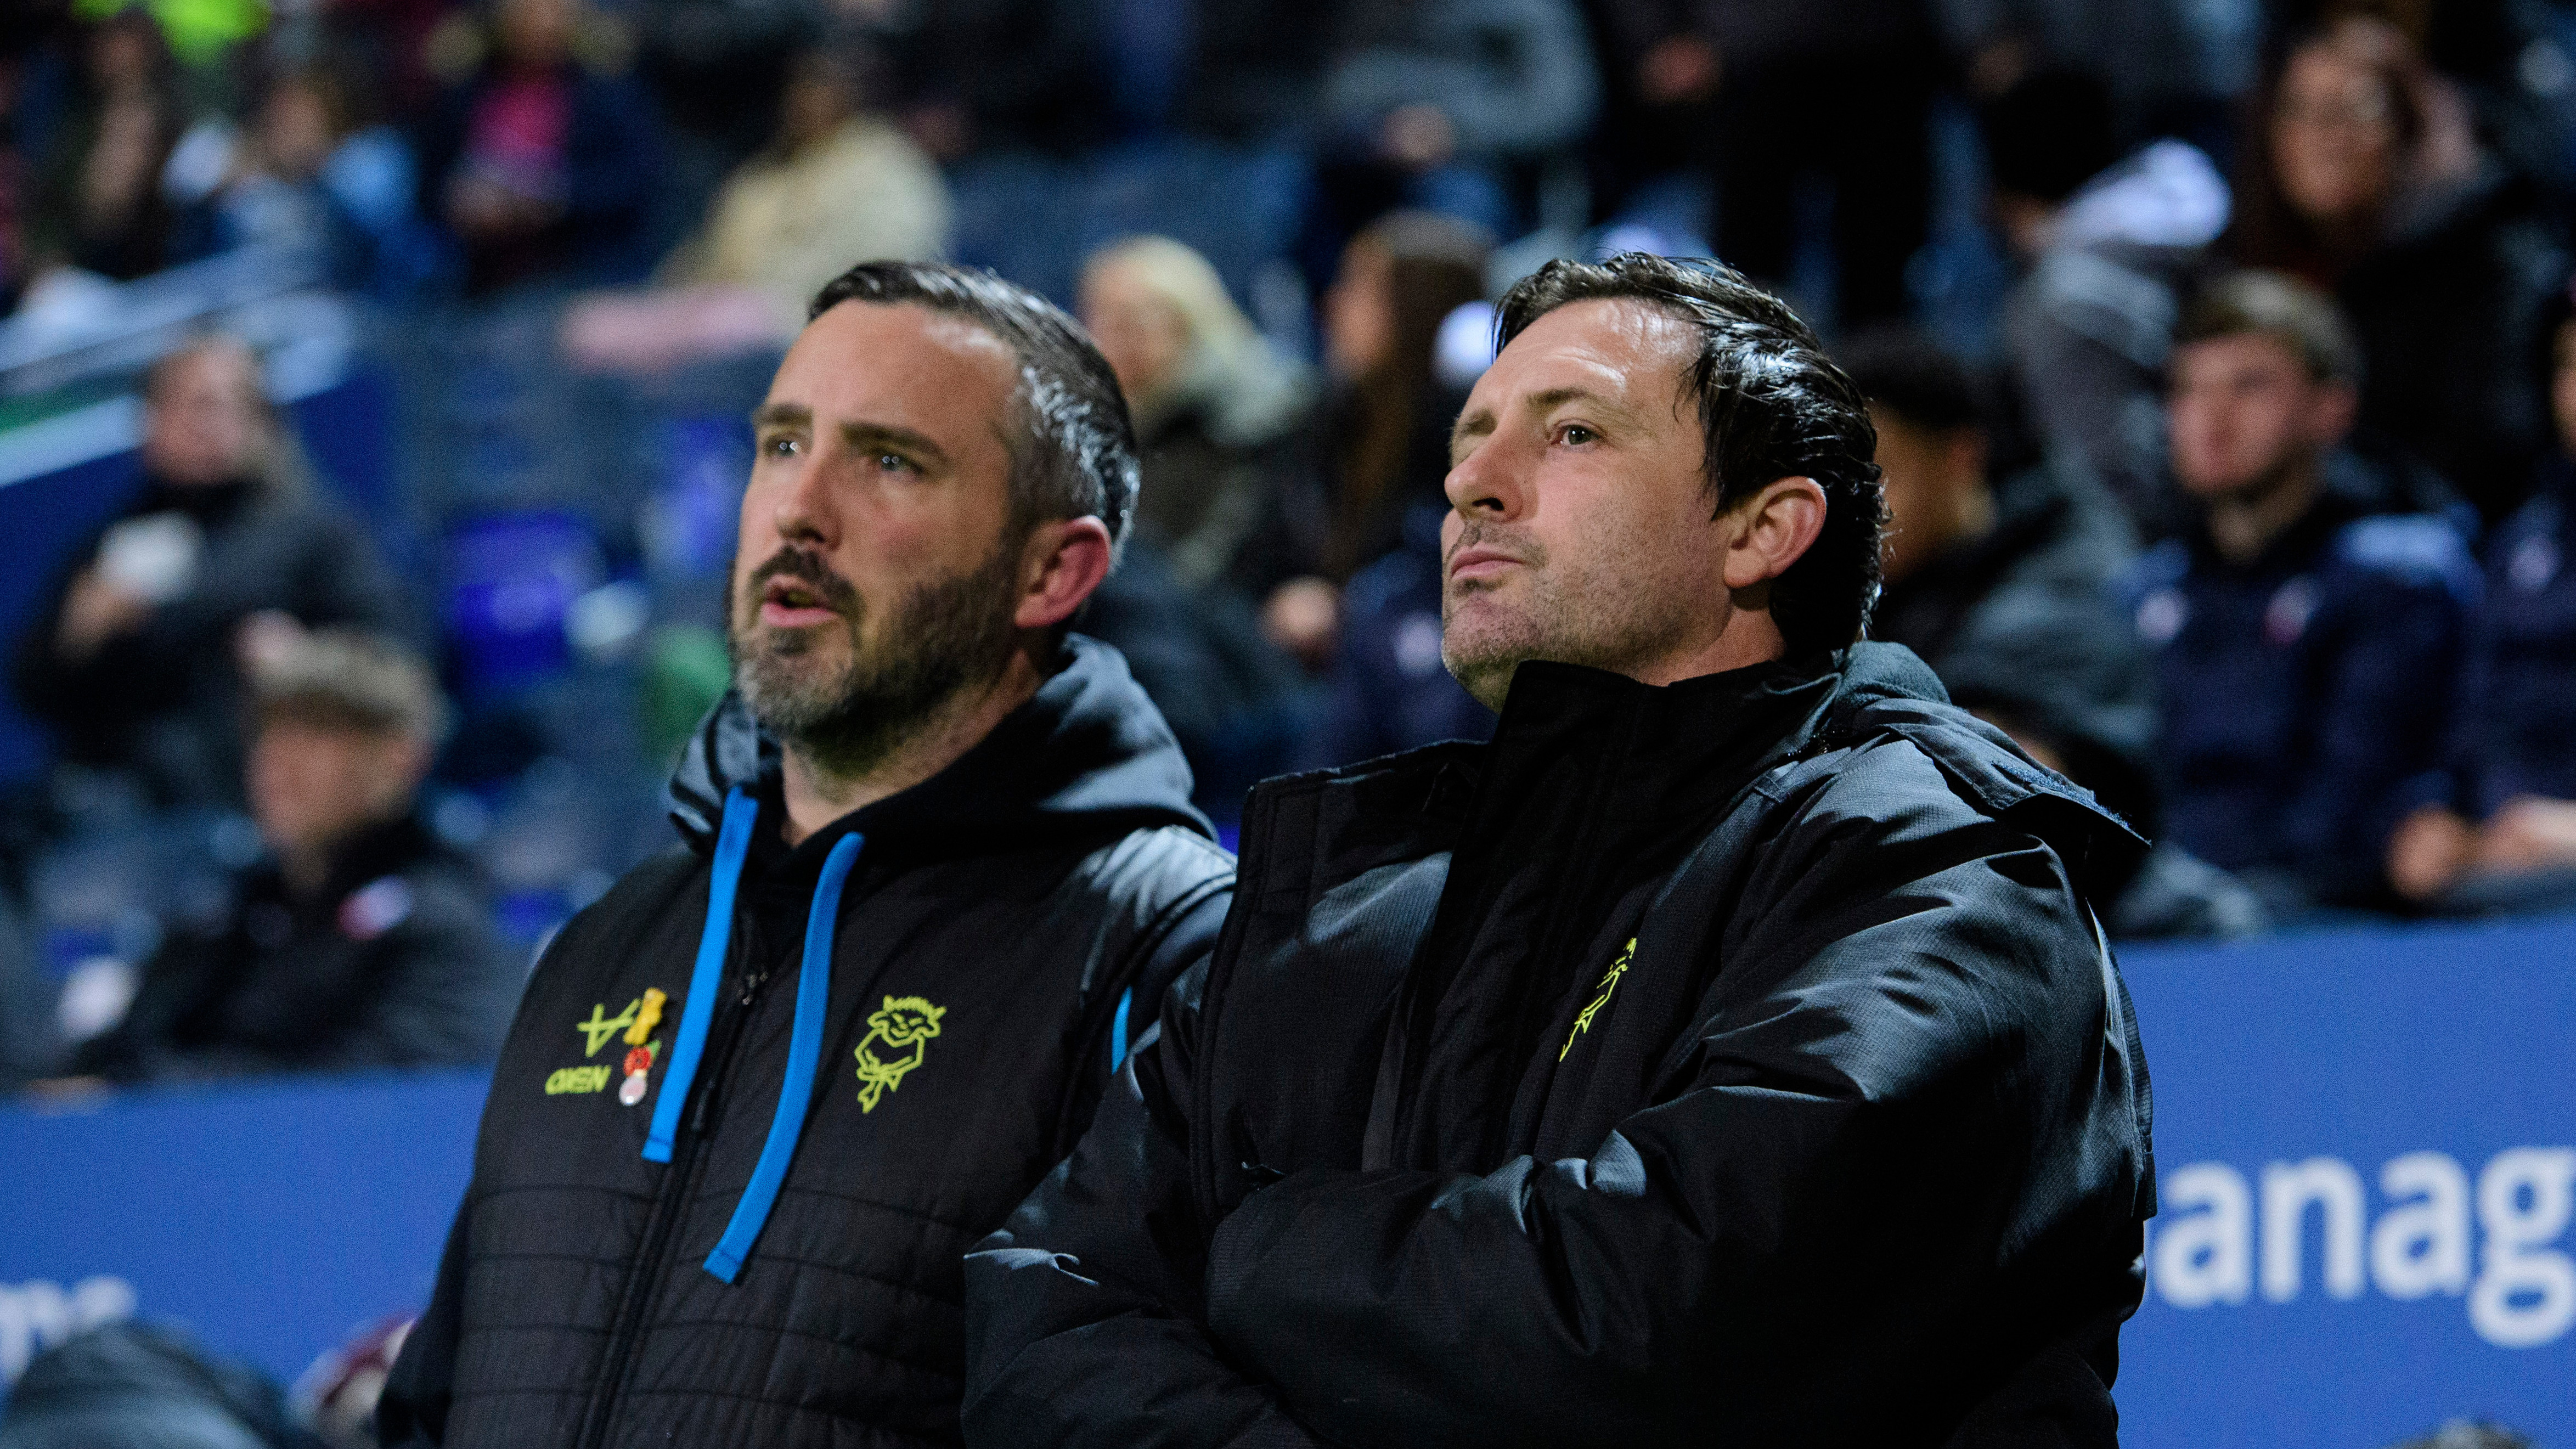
(897,1037)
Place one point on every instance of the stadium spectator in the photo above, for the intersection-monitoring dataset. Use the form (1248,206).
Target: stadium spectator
(929,839)
(837,181)
(2008,590)
(1425,102)
(101,207)
(1554,1089)
(227,549)
(306,178)
(1229,494)
(2363,175)
(2309,652)
(1386,424)
(2111,243)
(1838,91)
(361,941)
(2507,838)
(19,59)
(542,163)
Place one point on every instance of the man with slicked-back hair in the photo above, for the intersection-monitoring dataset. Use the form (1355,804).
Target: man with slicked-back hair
(1724,1054)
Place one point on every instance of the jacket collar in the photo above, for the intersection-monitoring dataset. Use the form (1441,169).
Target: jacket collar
(1088,756)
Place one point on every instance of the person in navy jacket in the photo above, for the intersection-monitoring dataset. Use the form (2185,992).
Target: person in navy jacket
(2506,839)
(2308,648)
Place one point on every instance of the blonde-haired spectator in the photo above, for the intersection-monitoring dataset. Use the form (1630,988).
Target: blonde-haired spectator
(1230,493)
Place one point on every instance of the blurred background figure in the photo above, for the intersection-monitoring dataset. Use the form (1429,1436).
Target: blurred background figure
(2364,175)
(1830,99)
(2008,590)
(541,163)
(101,208)
(2506,837)
(2109,244)
(2309,645)
(1425,103)
(309,175)
(227,552)
(1387,417)
(838,181)
(2174,69)
(359,940)
(1222,421)
(1406,284)
(1224,514)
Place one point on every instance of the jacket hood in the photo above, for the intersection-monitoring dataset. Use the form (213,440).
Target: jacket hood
(1088,756)
(1887,686)
(1874,671)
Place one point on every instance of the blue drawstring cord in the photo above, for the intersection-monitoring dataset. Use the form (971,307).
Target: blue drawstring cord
(804,1040)
(1118,1031)
(733,846)
(804,1055)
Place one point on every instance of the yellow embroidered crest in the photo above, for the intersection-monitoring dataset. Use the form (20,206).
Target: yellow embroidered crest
(897,1037)
(1609,983)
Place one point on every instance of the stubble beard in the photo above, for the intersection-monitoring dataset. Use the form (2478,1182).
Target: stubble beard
(941,641)
(1615,623)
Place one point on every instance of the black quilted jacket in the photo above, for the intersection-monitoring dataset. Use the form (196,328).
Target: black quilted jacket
(1009,906)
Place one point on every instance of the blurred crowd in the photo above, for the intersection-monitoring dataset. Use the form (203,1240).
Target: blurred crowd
(2221,354)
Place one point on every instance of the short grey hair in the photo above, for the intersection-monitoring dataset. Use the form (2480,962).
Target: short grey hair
(1073,449)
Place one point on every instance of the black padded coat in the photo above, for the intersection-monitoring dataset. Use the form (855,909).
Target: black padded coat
(1009,904)
(1735,1062)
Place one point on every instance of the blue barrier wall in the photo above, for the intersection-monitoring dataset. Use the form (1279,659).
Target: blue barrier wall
(2367,1143)
(271,1220)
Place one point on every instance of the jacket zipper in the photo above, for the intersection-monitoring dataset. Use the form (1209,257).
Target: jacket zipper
(646,1276)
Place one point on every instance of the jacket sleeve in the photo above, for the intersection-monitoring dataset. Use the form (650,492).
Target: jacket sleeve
(1081,1313)
(2382,710)
(1181,936)
(1919,1065)
(422,1386)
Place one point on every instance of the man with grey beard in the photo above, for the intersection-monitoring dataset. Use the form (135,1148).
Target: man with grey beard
(938,864)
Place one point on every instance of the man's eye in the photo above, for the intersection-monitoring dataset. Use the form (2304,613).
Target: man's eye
(897,463)
(1577,434)
(779,447)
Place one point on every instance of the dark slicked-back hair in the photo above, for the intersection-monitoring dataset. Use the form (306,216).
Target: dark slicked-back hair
(1073,450)
(1772,407)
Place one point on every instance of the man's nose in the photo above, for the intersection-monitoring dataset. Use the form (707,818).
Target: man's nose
(1488,482)
(805,510)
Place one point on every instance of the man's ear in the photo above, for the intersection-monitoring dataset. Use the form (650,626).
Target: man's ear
(1772,530)
(1063,561)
